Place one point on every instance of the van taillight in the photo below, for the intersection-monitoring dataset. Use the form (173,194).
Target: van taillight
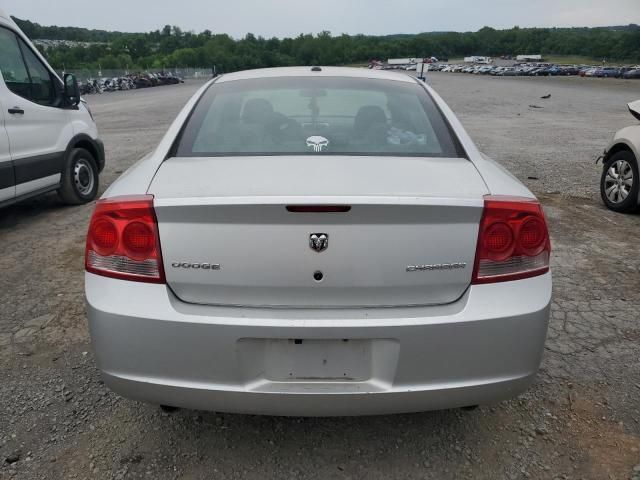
(513,241)
(123,240)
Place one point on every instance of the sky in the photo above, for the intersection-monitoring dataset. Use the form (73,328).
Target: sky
(282,18)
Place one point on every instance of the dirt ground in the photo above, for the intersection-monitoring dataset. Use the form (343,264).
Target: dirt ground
(581,419)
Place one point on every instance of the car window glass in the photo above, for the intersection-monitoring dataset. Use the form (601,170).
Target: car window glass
(339,116)
(12,65)
(42,87)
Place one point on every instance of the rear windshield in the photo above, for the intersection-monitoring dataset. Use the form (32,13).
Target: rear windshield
(316,116)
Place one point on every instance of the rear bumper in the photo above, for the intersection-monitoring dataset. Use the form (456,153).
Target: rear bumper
(483,348)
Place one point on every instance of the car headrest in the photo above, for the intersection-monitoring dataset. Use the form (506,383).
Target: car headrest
(368,116)
(257,110)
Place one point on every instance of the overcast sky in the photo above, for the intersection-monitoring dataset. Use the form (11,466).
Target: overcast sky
(290,17)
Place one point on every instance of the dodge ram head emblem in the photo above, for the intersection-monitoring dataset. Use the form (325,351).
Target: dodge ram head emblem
(317,142)
(318,241)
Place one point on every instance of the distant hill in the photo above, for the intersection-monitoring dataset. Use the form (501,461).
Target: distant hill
(171,46)
(78,34)
(37,31)
(631,26)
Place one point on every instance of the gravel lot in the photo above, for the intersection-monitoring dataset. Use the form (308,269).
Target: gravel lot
(580,420)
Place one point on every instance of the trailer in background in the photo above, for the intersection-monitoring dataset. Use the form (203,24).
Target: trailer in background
(529,58)
(479,60)
(403,61)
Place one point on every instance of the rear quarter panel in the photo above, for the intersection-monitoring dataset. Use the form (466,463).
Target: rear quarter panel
(137,179)
(498,180)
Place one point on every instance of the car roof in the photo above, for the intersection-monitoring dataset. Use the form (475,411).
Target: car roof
(345,72)
(6,20)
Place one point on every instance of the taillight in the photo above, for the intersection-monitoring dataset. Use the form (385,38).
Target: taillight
(123,240)
(513,242)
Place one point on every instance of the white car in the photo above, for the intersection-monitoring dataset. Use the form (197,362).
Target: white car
(318,241)
(48,139)
(620,180)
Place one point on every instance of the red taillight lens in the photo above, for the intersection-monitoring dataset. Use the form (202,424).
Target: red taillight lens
(123,240)
(104,236)
(513,241)
(498,241)
(533,234)
(139,240)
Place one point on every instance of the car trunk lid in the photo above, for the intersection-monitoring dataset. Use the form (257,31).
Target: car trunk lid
(405,233)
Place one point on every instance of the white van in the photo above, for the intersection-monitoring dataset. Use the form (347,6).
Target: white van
(48,139)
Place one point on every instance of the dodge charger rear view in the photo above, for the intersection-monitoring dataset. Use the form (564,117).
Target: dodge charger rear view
(317,241)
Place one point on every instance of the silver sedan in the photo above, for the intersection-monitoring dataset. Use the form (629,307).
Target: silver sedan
(318,241)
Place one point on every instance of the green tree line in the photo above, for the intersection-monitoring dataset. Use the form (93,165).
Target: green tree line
(172,47)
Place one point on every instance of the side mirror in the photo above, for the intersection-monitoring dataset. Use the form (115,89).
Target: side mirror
(71,90)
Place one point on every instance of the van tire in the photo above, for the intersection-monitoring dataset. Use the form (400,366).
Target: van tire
(80,179)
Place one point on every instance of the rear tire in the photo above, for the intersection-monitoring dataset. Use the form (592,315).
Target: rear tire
(80,180)
(620,194)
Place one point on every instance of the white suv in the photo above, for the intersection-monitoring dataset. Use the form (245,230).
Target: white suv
(48,139)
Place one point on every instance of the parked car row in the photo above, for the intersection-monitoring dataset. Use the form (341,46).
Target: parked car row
(540,70)
(129,82)
(615,72)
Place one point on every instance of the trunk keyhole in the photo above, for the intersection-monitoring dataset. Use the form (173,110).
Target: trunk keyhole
(318,276)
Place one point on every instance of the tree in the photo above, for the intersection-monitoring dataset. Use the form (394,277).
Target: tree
(171,46)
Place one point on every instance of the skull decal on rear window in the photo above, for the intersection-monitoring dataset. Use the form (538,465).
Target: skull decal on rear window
(317,142)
